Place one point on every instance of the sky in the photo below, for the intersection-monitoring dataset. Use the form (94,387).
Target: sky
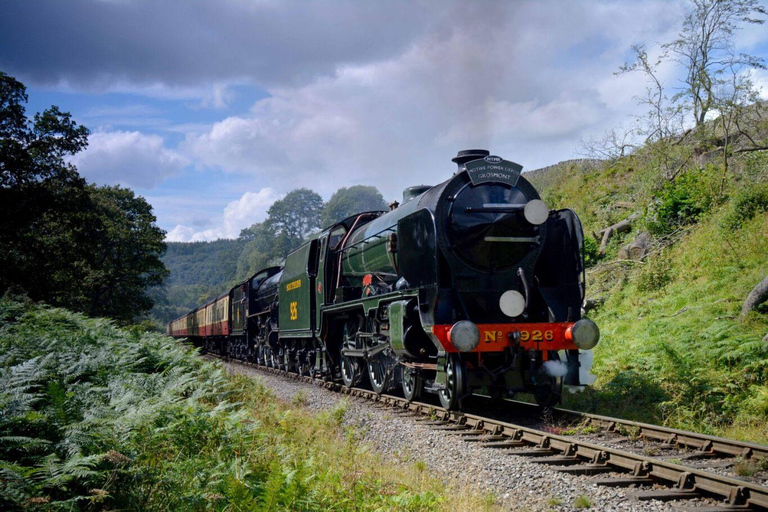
(214,110)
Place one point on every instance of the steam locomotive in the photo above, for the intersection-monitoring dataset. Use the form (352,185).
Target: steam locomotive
(469,287)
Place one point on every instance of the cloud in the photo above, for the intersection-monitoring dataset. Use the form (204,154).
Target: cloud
(760,81)
(249,209)
(132,159)
(375,93)
(521,79)
(172,46)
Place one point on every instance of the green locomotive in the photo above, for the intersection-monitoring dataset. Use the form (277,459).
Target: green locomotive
(470,286)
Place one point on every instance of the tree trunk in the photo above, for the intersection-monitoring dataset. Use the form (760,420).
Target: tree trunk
(639,247)
(757,296)
(607,232)
(624,252)
(619,227)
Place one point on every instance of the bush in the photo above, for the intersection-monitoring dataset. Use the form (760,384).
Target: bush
(590,251)
(682,201)
(745,205)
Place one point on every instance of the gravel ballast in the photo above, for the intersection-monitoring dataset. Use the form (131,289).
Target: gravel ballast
(518,483)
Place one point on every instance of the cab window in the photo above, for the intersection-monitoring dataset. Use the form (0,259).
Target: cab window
(336,236)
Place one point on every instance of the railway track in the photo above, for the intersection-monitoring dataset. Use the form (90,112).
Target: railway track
(691,474)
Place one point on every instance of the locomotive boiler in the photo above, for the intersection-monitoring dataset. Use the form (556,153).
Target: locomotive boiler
(469,287)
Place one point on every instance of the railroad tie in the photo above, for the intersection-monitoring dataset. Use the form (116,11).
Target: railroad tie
(470,432)
(558,460)
(585,469)
(623,481)
(503,444)
(449,428)
(664,495)
(485,439)
(535,452)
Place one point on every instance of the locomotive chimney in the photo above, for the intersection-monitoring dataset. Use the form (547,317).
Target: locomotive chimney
(467,155)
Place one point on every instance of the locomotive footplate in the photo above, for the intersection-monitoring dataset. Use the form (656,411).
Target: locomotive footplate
(499,337)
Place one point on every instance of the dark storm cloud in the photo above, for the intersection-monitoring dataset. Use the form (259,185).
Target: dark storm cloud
(95,44)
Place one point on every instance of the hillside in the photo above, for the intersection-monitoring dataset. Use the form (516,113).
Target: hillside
(674,347)
(199,271)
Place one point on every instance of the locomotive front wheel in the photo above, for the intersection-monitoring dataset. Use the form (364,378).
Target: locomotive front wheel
(412,385)
(450,397)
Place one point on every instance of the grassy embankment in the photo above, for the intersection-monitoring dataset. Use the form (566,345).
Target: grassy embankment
(96,417)
(674,349)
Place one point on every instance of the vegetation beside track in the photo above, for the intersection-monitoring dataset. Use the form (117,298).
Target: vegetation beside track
(675,349)
(98,417)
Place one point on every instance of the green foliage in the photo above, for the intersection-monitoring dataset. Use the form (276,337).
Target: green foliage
(591,246)
(206,264)
(581,502)
(348,201)
(654,274)
(198,272)
(681,202)
(673,348)
(749,467)
(96,417)
(747,203)
(294,217)
(94,249)
(258,252)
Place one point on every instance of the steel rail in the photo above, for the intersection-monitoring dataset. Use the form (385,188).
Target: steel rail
(701,442)
(591,458)
(713,445)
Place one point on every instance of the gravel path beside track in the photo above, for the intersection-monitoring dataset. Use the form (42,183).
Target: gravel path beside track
(519,483)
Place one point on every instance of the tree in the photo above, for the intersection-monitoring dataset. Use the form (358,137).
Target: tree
(292,218)
(93,249)
(714,78)
(125,256)
(40,195)
(614,144)
(348,201)
(258,252)
(705,49)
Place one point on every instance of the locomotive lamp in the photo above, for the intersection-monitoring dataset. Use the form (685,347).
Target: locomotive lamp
(536,212)
(584,334)
(512,303)
(464,335)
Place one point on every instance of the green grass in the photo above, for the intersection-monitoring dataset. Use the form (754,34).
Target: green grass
(674,349)
(95,417)
(581,502)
